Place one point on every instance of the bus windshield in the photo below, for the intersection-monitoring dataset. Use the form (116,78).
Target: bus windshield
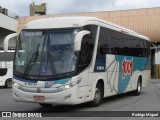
(45,53)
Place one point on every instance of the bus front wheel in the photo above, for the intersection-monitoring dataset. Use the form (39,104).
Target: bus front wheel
(98,96)
(8,83)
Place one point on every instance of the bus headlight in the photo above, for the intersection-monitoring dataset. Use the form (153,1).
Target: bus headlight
(67,86)
(16,85)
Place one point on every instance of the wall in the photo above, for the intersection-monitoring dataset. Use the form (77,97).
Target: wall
(8,23)
(3,34)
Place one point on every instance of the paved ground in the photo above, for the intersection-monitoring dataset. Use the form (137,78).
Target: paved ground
(149,100)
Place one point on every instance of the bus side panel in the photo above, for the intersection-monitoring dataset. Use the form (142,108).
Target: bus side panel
(146,78)
(130,69)
(122,73)
(112,71)
(106,68)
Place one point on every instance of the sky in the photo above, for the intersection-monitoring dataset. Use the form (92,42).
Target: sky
(21,7)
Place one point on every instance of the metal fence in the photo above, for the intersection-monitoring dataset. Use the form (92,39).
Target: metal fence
(156,71)
(8,13)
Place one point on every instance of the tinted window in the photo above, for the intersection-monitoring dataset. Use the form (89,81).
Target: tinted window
(3,71)
(120,44)
(104,41)
(87,46)
(114,42)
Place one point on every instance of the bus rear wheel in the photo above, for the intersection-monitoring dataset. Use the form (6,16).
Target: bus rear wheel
(139,88)
(98,96)
(45,105)
(8,83)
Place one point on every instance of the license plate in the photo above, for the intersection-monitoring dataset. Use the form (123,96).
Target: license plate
(39,98)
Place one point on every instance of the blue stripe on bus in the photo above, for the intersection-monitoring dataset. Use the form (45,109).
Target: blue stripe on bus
(61,81)
(23,80)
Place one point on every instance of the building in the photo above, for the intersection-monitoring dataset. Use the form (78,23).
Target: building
(8,25)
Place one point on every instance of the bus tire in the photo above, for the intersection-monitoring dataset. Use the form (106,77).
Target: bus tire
(98,96)
(139,88)
(45,105)
(8,83)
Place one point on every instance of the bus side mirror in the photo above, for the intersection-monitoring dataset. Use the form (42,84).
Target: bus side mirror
(7,39)
(78,39)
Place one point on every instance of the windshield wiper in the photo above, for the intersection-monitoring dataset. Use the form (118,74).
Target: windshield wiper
(50,58)
(52,63)
(32,61)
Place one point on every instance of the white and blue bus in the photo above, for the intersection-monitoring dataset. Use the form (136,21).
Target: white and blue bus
(6,60)
(73,60)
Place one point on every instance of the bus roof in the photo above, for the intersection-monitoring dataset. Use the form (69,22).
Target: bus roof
(71,22)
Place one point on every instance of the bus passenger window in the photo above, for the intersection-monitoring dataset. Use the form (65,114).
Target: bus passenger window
(99,51)
(103,43)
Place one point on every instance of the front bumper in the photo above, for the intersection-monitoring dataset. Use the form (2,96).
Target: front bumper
(68,96)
